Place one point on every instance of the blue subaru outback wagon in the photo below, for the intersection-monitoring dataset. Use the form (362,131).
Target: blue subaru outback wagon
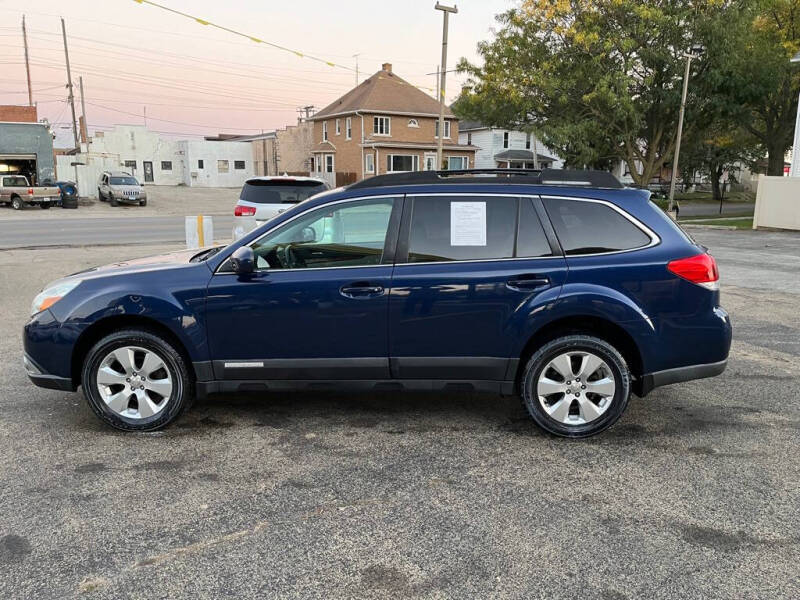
(560,286)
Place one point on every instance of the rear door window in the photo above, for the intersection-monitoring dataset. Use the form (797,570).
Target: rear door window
(586,227)
(461,228)
(280,192)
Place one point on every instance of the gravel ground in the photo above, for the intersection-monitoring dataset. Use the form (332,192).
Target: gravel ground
(693,494)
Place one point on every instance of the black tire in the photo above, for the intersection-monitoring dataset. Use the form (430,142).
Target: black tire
(179,400)
(111,200)
(45,205)
(553,349)
(142,202)
(100,195)
(17,203)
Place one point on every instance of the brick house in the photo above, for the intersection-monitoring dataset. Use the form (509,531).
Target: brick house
(383,125)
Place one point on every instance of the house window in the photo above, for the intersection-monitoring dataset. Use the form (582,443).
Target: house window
(200,164)
(222,166)
(381,126)
(238,165)
(413,123)
(338,126)
(131,164)
(446,129)
(505,139)
(402,162)
(469,139)
(456,163)
(329,163)
(166,165)
(369,163)
(348,128)
(324,131)
(527,141)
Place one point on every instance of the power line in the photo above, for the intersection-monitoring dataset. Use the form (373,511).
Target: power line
(124,112)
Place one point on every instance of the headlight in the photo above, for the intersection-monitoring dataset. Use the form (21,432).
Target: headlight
(52,294)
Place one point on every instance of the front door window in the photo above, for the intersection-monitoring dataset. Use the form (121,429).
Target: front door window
(346,235)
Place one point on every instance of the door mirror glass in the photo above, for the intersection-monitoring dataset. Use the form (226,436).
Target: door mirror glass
(243,261)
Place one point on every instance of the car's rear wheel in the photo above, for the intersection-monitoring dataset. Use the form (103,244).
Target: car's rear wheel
(45,205)
(136,380)
(17,203)
(576,386)
(100,195)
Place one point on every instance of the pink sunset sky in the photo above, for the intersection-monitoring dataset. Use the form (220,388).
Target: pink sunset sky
(196,80)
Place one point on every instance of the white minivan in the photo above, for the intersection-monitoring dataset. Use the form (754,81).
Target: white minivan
(265,197)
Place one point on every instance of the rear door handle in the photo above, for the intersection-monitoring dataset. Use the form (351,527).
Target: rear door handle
(361,289)
(528,282)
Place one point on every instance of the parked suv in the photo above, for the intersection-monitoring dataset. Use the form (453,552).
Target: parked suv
(561,287)
(116,187)
(267,197)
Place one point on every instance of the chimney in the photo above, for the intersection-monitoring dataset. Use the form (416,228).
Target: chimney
(387,67)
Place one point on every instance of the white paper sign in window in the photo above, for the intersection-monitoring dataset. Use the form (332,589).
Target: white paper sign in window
(468,223)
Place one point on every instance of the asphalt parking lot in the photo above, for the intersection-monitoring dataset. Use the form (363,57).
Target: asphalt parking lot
(694,493)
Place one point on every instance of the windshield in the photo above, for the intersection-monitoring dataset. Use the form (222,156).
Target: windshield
(124,181)
(15,182)
(280,192)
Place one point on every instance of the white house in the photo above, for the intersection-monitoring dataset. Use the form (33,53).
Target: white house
(157,160)
(504,148)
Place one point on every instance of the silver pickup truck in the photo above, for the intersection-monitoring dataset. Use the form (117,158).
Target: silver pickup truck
(17,191)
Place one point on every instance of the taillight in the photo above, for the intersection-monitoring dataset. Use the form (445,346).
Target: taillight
(30,191)
(700,269)
(244,211)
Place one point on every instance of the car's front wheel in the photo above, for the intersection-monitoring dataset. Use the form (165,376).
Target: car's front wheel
(136,380)
(576,386)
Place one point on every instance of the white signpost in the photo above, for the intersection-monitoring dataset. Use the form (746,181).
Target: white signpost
(794,170)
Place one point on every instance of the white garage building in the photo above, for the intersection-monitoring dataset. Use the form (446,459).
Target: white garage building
(157,160)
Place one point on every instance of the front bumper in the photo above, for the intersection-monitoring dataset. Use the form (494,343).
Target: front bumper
(44,380)
(650,381)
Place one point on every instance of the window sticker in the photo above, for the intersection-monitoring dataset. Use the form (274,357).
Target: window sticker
(468,223)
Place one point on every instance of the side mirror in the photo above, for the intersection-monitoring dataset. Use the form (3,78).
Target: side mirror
(243,261)
(308,234)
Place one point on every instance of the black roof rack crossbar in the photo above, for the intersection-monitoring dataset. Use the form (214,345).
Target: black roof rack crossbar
(567,177)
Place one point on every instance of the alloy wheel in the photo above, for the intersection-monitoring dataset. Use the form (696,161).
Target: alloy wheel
(134,382)
(576,387)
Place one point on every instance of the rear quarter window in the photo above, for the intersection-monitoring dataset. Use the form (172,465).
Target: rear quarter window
(586,227)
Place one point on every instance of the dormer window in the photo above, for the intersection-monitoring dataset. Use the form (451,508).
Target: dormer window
(413,123)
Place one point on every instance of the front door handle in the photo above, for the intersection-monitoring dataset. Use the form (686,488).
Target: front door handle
(361,289)
(528,282)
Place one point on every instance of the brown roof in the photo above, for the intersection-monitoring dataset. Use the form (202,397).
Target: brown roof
(384,92)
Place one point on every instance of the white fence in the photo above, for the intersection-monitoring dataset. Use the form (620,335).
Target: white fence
(778,203)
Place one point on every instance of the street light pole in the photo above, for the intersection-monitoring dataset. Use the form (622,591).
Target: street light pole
(671,207)
(446,10)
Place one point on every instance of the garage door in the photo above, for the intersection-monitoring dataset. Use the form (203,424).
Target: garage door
(17,157)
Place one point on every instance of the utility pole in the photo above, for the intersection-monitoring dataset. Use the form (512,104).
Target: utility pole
(69,85)
(695,53)
(438,74)
(356,57)
(27,64)
(446,10)
(85,125)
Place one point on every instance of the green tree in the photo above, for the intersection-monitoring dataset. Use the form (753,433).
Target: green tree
(599,79)
(754,79)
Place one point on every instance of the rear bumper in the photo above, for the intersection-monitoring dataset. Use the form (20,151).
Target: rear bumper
(650,381)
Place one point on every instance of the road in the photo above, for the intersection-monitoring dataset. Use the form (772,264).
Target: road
(693,494)
(93,231)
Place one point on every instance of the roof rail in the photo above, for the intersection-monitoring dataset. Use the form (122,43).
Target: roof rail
(566,177)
